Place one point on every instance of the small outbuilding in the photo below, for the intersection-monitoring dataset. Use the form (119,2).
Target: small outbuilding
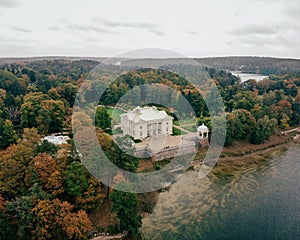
(202,131)
(57,140)
(202,135)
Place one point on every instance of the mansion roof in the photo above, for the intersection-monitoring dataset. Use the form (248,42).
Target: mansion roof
(146,114)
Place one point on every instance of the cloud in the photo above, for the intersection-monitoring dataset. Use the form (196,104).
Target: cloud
(254,30)
(157,32)
(191,32)
(141,25)
(9,3)
(88,28)
(280,36)
(263,41)
(53,28)
(292,11)
(124,24)
(19,29)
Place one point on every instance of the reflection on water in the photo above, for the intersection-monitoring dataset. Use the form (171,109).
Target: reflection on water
(246,76)
(257,203)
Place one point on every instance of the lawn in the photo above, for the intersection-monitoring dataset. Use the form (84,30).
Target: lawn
(177,132)
(115,113)
(190,128)
(116,131)
(184,122)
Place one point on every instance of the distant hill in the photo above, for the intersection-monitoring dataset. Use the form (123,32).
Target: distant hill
(262,65)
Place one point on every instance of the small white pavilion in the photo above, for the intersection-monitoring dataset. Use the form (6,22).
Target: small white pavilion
(143,122)
(202,131)
(202,134)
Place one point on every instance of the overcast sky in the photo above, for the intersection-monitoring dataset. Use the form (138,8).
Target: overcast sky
(193,28)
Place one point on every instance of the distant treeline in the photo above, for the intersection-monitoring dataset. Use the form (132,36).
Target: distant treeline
(261,65)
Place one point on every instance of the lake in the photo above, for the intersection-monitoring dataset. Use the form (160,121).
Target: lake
(246,76)
(260,202)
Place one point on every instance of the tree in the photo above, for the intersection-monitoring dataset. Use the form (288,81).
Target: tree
(245,123)
(51,116)
(11,83)
(283,112)
(7,228)
(214,102)
(12,170)
(20,210)
(102,118)
(30,108)
(295,119)
(219,129)
(125,204)
(55,220)
(76,179)
(8,135)
(68,92)
(123,159)
(46,147)
(244,100)
(41,168)
(231,122)
(92,197)
(13,163)
(263,129)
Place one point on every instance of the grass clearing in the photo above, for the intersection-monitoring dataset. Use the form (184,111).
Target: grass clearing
(190,128)
(116,131)
(184,122)
(115,113)
(177,132)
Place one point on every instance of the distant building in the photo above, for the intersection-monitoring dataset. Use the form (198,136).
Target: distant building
(57,140)
(144,122)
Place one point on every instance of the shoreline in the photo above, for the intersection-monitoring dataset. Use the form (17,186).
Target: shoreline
(265,150)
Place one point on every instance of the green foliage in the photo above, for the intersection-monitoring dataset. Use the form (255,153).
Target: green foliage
(20,210)
(125,204)
(119,157)
(223,78)
(38,110)
(51,116)
(219,129)
(245,123)
(177,132)
(76,179)
(30,108)
(263,129)
(214,102)
(102,118)
(244,100)
(7,134)
(11,83)
(295,118)
(231,120)
(114,114)
(46,147)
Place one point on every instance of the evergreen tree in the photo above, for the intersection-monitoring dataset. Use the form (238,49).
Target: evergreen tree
(102,118)
(125,204)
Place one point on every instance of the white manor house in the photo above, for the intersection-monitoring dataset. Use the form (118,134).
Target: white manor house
(143,122)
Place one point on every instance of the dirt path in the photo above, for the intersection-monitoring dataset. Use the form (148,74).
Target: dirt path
(112,237)
(292,130)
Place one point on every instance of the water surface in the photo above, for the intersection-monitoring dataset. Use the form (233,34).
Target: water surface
(246,76)
(255,203)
